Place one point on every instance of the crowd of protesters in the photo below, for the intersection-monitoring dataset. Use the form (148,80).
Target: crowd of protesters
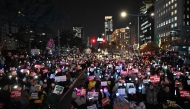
(143,81)
(36,81)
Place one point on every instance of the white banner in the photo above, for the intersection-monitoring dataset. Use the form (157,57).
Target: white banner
(35,51)
(60,78)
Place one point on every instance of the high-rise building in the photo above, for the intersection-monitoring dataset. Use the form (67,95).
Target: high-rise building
(170,17)
(8,43)
(120,37)
(108,27)
(147,26)
(79,31)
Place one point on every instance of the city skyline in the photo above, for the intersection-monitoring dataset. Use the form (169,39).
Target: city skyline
(91,14)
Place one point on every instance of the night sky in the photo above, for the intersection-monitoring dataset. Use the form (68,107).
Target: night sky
(90,14)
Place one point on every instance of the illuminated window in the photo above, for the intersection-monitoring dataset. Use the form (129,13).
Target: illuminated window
(172,1)
(175,12)
(172,26)
(175,18)
(187,15)
(175,5)
(187,9)
(166,4)
(172,13)
(175,24)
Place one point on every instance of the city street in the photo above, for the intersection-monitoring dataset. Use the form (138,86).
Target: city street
(66,100)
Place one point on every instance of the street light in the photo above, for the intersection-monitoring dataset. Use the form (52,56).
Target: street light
(124,14)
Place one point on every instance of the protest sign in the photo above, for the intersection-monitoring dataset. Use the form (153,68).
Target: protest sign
(92,107)
(123,72)
(155,79)
(185,93)
(58,89)
(93,95)
(130,84)
(105,101)
(16,94)
(34,95)
(60,78)
(121,91)
(91,69)
(188,82)
(117,67)
(146,80)
(104,83)
(132,90)
(135,70)
(81,92)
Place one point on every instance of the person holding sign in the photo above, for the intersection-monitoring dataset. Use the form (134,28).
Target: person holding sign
(37,98)
(79,101)
(166,95)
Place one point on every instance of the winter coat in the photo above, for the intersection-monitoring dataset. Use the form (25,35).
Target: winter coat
(53,100)
(151,96)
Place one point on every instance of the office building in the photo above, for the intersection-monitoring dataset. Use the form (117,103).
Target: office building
(108,28)
(171,19)
(7,42)
(120,38)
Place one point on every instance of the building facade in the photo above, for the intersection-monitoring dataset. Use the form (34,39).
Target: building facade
(8,43)
(147,26)
(108,26)
(120,37)
(169,15)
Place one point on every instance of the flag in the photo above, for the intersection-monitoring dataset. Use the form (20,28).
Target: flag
(156,40)
(50,44)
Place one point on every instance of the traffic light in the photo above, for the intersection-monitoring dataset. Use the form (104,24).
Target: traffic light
(93,40)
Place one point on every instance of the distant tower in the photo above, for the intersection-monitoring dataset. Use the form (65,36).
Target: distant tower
(108,27)
(79,32)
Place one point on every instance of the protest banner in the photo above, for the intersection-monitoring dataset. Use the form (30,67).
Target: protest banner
(16,94)
(146,80)
(117,67)
(104,83)
(60,78)
(132,90)
(58,89)
(185,93)
(121,91)
(81,92)
(155,79)
(34,95)
(93,95)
